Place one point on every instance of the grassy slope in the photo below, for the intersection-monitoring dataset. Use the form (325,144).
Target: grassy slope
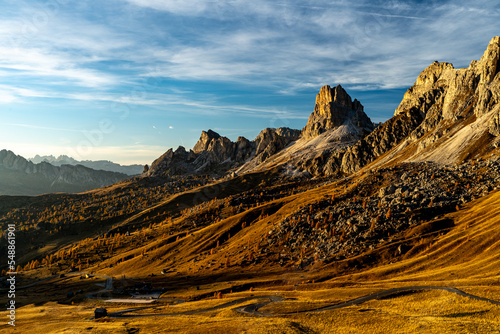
(465,256)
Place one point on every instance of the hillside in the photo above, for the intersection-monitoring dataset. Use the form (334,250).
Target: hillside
(232,248)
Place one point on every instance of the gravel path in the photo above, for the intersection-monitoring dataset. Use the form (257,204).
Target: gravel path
(253,309)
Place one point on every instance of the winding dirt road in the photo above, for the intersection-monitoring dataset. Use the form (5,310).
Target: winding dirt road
(253,309)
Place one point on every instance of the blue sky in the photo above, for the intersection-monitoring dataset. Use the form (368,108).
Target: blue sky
(126,80)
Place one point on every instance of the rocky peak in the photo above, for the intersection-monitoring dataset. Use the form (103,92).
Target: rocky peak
(426,90)
(445,92)
(293,134)
(333,108)
(205,140)
(441,118)
(489,63)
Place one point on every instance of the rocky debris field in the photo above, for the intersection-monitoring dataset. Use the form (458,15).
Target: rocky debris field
(382,204)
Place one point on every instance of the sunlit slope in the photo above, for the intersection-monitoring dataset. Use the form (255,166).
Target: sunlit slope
(186,245)
(469,251)
(462,244)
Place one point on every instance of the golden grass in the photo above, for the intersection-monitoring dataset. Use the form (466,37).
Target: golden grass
(421,312)
(465,257)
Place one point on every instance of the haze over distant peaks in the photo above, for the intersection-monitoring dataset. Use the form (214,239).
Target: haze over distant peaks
(19,176)
(98,165)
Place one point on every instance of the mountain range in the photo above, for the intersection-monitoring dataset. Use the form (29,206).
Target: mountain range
(448,116)
(308,219)
(19,176)
(97,165)
(336,123)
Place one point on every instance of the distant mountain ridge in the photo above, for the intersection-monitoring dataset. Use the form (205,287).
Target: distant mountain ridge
(216,155)
(19,176)
(97,165)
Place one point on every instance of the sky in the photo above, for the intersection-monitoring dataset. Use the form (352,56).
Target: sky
(125,80)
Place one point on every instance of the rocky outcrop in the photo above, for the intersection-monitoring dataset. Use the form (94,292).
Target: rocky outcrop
(172,163)
(270,141)
(215,155)
(448,91)
(384,138)
(442,102)
(205,139)
(494,126)
(333,108)
(22,177)
(336,123)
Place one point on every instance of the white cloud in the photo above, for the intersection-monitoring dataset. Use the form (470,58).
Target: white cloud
(60,50)
(283,47)
(192,7)
(7,97)
(292,46)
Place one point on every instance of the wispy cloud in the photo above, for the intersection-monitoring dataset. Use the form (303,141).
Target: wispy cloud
(7,97)
(167,59)
(296,44)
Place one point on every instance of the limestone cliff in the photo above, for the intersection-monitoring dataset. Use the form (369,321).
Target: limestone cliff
(205,139)
(336,123)
(449,114)
(332,109)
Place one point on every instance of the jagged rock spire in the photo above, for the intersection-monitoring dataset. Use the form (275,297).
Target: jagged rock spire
(204,141)
(333,108)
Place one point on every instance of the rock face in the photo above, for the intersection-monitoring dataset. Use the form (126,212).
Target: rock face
(270,141)
(452,90)
(334,108)
(384,138)
(205,139)
(494,126)
(19,176)
(444,117)
(215,155)
(446,91)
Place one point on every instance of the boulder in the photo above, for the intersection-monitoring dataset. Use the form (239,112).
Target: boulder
(100,313)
